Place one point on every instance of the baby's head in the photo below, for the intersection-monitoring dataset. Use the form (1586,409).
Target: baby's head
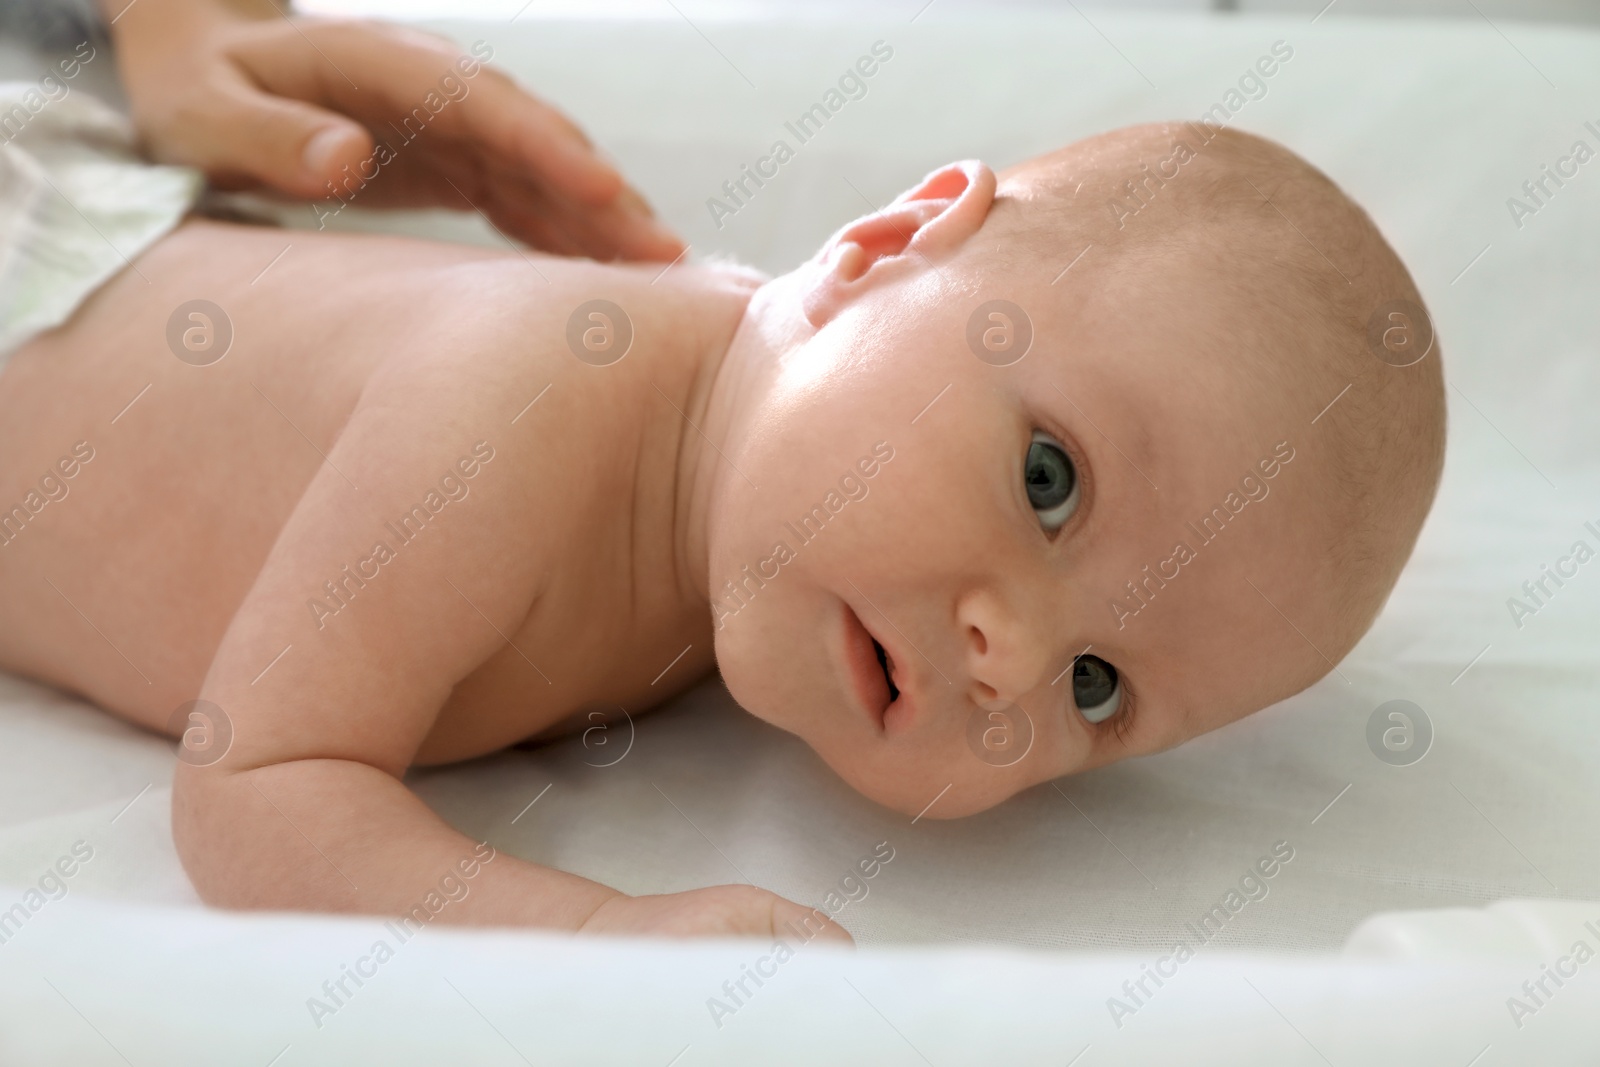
(1097,455)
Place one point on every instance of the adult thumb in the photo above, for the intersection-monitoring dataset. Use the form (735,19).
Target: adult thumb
(293,147)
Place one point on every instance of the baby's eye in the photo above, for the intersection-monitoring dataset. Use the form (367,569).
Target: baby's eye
(1051,480)
(1095,688)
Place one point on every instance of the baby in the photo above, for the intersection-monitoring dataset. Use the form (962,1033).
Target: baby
(1019,476)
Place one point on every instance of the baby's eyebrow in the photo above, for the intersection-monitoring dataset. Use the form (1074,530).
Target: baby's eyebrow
(1139,438)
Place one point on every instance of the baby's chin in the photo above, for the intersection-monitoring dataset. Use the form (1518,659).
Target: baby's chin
(926,799)
(919,785)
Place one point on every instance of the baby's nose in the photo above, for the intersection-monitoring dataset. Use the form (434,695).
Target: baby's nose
(1005,658)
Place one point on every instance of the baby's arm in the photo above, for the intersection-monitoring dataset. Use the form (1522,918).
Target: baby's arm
(307,810)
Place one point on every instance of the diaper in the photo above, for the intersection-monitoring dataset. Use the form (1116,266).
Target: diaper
(77,204)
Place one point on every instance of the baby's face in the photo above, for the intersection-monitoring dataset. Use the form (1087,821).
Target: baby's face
(980,525)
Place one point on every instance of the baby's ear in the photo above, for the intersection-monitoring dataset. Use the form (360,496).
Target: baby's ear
(925,223)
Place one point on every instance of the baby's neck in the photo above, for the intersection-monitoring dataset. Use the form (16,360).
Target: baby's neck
(697,378)
(735,373)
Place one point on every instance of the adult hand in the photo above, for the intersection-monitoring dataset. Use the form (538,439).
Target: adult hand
(372,114)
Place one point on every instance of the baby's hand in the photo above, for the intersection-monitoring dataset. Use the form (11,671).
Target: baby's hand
(717,911)
(286,105)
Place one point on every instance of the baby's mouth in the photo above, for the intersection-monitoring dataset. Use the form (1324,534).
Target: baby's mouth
(888,671)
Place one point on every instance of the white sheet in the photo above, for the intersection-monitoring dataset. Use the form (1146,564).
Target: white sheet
(109,984)
(1431,127)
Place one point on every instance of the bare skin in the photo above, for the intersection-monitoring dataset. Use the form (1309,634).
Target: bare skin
(362,372)
(200,548)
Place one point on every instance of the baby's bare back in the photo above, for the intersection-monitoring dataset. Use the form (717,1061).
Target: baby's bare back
(398,521)
(340,442)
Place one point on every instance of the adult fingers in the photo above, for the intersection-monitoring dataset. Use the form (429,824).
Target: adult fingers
(393,77)
(241,136)
(431,103)
(604,233)
(452,177)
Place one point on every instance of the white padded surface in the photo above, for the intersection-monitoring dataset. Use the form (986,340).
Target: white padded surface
(110,984)
(1431,127)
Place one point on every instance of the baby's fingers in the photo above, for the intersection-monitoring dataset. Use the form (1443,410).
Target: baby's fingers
(807,922)
(716,911)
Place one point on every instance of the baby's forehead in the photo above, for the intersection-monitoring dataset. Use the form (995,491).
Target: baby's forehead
(1166,374)
(1211,607)
(1201,471)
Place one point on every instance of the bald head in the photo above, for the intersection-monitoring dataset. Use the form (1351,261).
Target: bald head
(1324,327)
(1170,449)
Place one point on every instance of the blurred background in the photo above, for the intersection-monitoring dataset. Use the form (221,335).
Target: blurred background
(1587,11)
